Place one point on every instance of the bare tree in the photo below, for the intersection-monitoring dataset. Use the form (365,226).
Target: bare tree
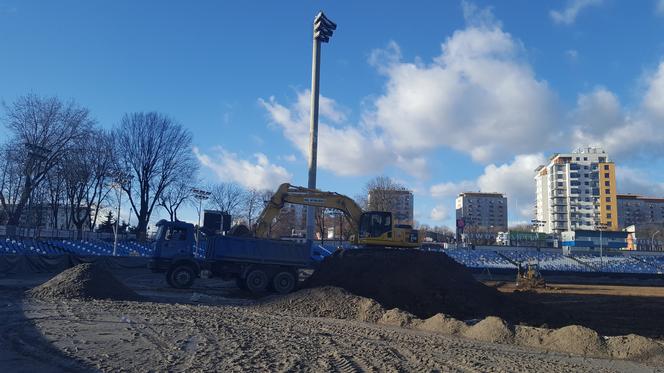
(88,167)
(156,151)
(43,130)
(254,203)
(228,197)
(174,196)
(379,193)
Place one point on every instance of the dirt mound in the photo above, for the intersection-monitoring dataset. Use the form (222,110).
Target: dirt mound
(444,324)
(326,301)
(84,281)
(397,317)
(575,339)
(635,347)
(491,329)
(422,283)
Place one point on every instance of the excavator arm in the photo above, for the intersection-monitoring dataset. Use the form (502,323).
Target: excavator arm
(309,197)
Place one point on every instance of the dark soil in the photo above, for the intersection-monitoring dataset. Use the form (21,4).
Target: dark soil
(84,281)
(422,283)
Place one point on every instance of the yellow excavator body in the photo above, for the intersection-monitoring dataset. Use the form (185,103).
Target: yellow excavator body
(371,228)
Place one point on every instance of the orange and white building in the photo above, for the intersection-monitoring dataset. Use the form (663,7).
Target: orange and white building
(576,191)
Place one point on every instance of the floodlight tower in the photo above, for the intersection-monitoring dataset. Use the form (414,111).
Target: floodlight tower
(323,29)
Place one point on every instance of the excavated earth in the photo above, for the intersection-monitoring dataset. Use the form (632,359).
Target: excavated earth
(84,281)
(420,282)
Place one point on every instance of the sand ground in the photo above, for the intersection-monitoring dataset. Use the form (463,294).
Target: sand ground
(214,328)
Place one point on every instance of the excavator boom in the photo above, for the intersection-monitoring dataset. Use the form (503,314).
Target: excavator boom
(309,197)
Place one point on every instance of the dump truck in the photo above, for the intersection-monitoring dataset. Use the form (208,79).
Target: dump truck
(259,263)
(256,264)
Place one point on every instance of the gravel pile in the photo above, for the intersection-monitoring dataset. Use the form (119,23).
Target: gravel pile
(84,281)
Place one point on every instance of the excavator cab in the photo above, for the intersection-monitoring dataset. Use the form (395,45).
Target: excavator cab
(378,228)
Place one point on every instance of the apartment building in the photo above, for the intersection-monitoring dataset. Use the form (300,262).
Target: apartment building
(576,191)
(639,210)
(481,212)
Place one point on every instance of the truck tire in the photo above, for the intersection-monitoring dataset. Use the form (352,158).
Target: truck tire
(241,283)
(284,282)
(257,281)
(181,276)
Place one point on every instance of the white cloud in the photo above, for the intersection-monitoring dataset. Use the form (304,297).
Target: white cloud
(439,213)
(342,148)
(289,158)
(659,8)
(477,97)
(452,189)
(634,181)
(568,15)
(601,120)
(260,175)
(514,179)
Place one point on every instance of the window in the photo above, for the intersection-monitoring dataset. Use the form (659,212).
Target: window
(607,191)
(578,158)
(608,199)
(606,167)
(607,183)
(608,216)
(585,158)
(586,183)
(606,175)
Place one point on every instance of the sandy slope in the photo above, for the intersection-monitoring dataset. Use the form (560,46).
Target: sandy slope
(136,336)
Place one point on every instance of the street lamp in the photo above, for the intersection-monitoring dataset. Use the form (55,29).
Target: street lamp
(601,227)
(323,29)
(120,178)
(200,195)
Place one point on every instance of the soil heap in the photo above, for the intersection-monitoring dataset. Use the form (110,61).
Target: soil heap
(325,301)
(419,282)
(84,281)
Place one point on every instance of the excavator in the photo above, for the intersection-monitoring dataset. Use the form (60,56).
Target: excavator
(369,229)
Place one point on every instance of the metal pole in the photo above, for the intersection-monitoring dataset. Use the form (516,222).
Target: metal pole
(313,133)
(117,221)
(198,228)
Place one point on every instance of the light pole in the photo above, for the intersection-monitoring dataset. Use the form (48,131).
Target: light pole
(200,195)
(323,29)
(652,240)
(600,228)
(120,178)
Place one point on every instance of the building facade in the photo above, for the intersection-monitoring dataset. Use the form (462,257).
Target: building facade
(576,191)
(481,212)
(399,202)
(639,210)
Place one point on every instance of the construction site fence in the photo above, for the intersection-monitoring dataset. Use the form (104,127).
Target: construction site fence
(47,233)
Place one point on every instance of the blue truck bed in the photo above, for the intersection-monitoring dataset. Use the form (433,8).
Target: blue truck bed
(258,251)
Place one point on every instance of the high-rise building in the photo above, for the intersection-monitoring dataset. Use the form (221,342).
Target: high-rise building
(399,202)
(481,212)
(639,210)
(576,191)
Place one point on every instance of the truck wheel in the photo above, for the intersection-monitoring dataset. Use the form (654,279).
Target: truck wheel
(241,283)
(284,282)
(181,277)
(257,281)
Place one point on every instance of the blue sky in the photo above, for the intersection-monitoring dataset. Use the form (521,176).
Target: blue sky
(444,96)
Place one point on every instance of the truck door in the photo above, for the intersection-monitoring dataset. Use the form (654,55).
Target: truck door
(174,241)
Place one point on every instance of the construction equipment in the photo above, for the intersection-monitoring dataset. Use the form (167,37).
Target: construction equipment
(529,278)
(372,228)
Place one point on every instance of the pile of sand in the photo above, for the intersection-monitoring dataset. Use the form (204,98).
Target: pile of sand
(419,282)
(84,281)
(491,329)
(329,302)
